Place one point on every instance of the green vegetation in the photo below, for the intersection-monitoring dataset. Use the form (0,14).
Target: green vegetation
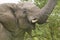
(49,30)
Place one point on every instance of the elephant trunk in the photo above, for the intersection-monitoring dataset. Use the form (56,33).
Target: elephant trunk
(46,11)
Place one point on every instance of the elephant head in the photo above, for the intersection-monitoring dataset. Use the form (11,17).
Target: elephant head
(35,14)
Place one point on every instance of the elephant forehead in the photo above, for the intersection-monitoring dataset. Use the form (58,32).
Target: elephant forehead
(28,5)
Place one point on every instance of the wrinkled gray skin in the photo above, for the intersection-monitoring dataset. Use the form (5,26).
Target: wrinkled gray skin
(16,19)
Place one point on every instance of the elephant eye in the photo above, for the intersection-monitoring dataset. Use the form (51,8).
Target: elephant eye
(24,11)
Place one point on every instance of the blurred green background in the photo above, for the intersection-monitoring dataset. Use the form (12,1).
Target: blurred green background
(49,30)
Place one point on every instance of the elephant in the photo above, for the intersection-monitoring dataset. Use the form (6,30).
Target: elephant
(17,19)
